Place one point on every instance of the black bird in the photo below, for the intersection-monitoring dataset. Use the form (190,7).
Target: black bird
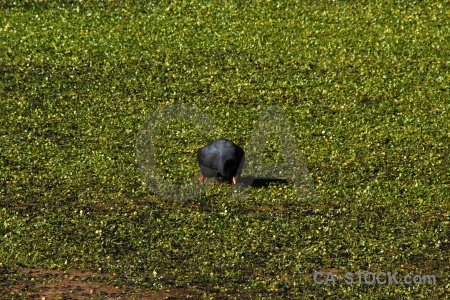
(221,158)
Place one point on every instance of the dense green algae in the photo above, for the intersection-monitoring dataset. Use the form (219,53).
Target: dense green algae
(365,88)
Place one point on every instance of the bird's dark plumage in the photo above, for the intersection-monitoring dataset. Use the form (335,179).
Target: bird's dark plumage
(221,158)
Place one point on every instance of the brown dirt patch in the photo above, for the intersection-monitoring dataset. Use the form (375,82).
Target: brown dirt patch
(29,283)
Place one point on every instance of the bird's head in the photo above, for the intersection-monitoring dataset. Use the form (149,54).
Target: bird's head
(230,168)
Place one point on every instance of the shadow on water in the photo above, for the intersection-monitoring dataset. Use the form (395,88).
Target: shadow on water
(259,182)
